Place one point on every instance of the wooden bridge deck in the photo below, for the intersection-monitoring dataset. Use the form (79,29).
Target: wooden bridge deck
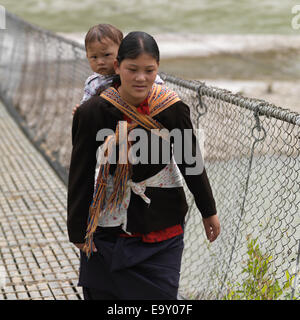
(36,259)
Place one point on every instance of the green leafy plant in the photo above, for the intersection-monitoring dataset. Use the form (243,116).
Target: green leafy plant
(260,282)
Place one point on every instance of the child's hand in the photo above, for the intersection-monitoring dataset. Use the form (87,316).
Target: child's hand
(75,108)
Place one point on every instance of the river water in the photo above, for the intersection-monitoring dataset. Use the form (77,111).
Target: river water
(160,16)
(199,39)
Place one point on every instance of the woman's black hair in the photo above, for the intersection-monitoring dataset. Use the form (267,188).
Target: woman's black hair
(133,45)
(136,43)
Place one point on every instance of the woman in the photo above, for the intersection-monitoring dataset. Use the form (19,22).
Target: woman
(129,226)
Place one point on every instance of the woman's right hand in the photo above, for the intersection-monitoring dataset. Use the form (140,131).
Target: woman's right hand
(81,246)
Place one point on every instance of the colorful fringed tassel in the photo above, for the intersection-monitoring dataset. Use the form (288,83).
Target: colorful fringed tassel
(121,177)
(96,207)
(98,203)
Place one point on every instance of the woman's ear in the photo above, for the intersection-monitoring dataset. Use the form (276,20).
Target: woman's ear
(116,66)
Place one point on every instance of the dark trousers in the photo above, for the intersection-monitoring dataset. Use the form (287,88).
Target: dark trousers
(127,268)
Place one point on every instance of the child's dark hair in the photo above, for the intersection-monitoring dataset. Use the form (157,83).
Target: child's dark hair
(136,43)
(103,30)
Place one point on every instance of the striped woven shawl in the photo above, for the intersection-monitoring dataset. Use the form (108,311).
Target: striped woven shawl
(159,99)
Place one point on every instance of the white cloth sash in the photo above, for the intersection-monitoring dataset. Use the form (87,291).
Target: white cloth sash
(168,177)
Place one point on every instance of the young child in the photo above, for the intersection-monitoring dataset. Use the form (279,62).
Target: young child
(102,44)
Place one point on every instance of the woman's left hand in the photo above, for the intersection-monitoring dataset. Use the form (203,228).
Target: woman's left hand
(212,227)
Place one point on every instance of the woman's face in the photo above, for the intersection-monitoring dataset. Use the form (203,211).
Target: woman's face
(137,77)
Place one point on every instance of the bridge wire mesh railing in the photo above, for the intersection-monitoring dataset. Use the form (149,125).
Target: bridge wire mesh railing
(251,152)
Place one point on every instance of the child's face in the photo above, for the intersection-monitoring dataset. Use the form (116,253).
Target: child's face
(101,56)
